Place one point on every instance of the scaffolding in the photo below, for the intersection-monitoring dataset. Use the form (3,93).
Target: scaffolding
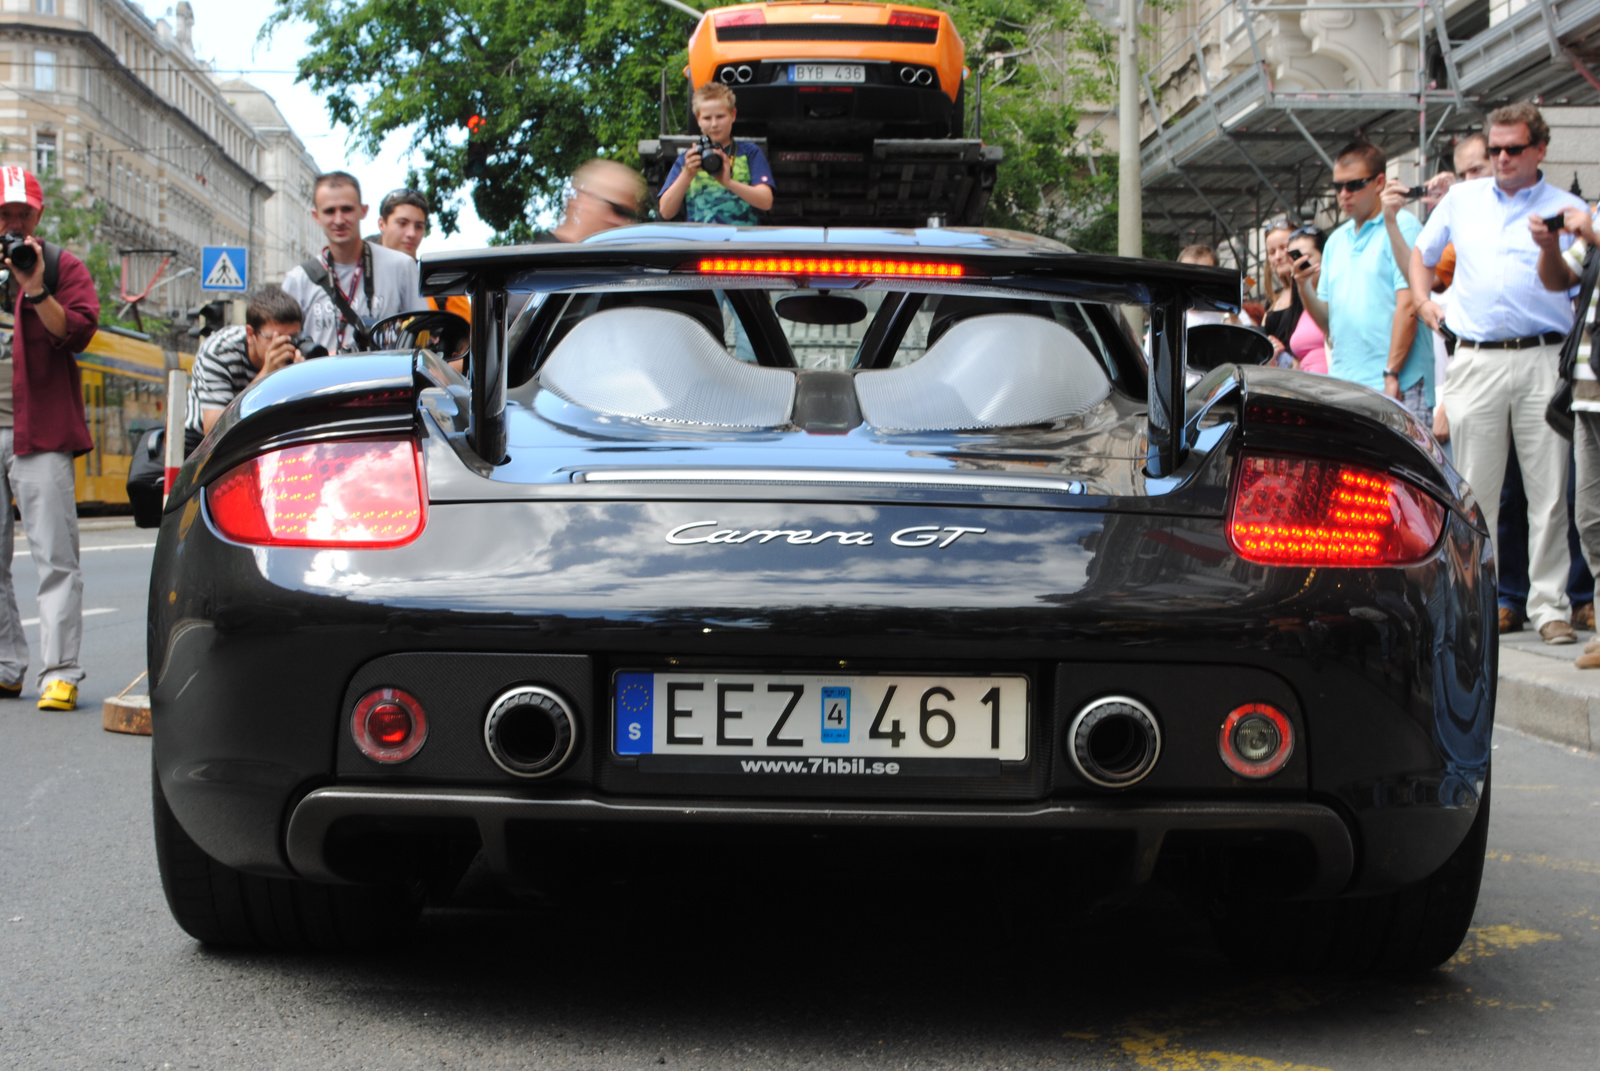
(1244,150)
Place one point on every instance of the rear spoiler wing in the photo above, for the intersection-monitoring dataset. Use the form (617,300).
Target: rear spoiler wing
(1012,262)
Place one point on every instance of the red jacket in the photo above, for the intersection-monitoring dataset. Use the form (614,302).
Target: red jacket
(46,386)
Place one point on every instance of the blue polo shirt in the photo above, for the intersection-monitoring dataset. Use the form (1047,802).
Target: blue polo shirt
(1359,281)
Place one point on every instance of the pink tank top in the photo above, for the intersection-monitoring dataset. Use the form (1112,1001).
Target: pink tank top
(1307,344)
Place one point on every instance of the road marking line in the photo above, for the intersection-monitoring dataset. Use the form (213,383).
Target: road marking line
(26,621)
(1484,941)
(1581,866)
(86,550)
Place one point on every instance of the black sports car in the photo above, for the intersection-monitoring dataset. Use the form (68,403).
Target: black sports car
(734,535)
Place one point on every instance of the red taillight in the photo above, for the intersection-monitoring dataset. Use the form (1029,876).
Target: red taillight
(340,494)
(857,266)
(911,18)
(1256,741)
(1299,511)
(389,725)
(749,17)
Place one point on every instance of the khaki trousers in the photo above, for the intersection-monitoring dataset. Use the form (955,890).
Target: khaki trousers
(43,487)
(1497,398)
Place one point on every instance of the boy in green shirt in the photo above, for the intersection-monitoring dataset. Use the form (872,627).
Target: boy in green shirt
(743,185)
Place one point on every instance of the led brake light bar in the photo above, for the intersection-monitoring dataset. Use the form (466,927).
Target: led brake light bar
(857,266)
(912,18)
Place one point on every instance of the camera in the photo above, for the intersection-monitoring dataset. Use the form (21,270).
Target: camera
(15,246)
(308,346)
(1416,193)
(710,162)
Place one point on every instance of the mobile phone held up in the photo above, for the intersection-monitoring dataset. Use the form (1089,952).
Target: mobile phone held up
(1555,223)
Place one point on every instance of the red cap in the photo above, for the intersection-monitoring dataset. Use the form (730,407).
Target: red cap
(18,186)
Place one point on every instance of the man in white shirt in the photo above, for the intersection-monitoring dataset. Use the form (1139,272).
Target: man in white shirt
(1511,327)
(374,282)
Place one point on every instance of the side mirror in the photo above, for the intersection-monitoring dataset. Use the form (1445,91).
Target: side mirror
(444,333)
(1212,345)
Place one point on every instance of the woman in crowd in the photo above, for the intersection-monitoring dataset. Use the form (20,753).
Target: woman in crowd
(1295,333)
(1280,287)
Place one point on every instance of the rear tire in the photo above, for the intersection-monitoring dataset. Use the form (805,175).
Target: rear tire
(219,905)
(1414,929)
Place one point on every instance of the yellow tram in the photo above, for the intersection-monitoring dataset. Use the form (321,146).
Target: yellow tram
(124,395)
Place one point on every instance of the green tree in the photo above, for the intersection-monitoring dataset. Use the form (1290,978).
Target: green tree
(510,96)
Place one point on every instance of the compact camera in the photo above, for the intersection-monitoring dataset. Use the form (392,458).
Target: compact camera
(15,246)
(710,162)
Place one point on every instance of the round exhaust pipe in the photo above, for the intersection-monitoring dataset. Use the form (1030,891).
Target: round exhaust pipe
(1114,742)
(744,73)
(908,75)
(924,77)
(727,76)
(530,731)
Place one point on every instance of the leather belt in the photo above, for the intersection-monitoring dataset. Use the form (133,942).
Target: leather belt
(1549,338)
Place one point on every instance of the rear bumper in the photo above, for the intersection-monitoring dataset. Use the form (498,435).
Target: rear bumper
(1321,828)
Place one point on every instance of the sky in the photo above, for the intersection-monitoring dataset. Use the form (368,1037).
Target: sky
(225,34)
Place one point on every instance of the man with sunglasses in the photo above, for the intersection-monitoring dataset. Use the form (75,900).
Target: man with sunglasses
(605,195)
(1361,300)
(1506,364)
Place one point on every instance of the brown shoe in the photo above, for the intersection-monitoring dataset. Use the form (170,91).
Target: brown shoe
(1583,616)
(1511,620)
(1556,633)
(1588,659)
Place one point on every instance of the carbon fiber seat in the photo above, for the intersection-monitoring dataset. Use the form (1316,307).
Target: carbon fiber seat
(655,364)
(1000,370)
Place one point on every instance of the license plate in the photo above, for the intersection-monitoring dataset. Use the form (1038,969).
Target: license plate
(788,723)
(827,72)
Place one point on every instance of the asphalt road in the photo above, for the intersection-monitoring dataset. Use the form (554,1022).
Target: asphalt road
(94,973)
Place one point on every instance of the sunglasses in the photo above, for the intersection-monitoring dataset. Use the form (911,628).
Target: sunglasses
(624,211)
(1355,184)
(1509,150)
(1307,231)
(394,197)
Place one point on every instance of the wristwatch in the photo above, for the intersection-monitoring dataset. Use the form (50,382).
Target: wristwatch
(1391,372)
(39,298)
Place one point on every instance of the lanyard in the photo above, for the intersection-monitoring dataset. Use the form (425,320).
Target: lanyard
(363,268)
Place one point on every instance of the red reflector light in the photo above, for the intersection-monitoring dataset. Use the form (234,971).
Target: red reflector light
(388,725)
(830,266)
(1256,741)
(754,17)
(1300,511)
(341,494)
(911,18)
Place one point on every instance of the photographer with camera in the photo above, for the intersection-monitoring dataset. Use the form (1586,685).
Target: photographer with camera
(55,311)
(236,358)
(718,180)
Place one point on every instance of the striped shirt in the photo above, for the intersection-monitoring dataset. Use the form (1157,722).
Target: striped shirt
(221,372)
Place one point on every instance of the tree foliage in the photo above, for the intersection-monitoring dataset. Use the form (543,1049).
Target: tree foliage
(72,220)
(555,82)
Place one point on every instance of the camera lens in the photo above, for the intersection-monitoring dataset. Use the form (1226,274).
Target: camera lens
(22,255)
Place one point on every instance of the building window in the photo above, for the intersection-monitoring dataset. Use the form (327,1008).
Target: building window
(44,154)
(44,71)
(45,7)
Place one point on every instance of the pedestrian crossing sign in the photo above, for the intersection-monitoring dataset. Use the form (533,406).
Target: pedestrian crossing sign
(224,267)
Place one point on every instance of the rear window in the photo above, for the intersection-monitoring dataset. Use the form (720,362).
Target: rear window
(890,328)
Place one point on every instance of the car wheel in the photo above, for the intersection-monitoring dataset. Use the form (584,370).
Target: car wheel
(219,905)
(1416,928)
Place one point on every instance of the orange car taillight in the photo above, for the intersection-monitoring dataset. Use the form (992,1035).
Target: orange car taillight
(1303,511)
(756,17)
(339,494)
(911,18)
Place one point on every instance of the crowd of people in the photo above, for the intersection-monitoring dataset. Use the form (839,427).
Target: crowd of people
(1461,320)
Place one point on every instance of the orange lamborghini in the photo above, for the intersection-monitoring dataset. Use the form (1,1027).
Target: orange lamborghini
(802,69)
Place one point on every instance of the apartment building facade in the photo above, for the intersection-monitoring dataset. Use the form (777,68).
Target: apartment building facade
(118,105)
